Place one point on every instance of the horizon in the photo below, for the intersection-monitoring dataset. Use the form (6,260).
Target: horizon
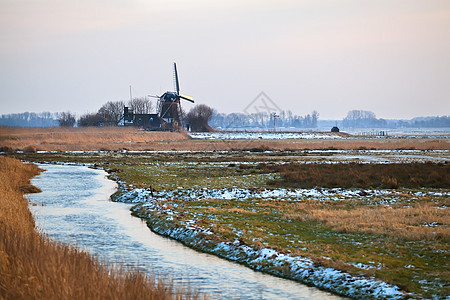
(236,112)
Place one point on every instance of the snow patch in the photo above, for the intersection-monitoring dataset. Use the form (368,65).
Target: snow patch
(336,194)
(262,135)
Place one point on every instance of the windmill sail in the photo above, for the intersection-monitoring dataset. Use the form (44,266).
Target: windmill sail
(169,105)
(175,78)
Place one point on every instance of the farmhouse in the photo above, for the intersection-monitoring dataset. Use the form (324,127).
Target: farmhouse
(146,121)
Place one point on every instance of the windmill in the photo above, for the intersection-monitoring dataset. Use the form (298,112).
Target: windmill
(169,105)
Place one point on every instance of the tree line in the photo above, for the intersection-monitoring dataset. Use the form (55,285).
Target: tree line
(367,119)
(263,120)
(109,114)
(201,116)
(30,119)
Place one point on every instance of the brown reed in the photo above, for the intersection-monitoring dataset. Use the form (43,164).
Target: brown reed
(119,138)
(354,175)
(34,267)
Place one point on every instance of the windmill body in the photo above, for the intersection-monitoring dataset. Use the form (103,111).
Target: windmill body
(169,105)
(169,114)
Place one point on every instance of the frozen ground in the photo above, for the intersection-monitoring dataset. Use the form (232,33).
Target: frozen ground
(402,132)
(262,259)
(243,135)
(323,134)
(335,194)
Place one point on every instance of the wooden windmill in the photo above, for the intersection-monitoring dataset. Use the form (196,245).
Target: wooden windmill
(169,105)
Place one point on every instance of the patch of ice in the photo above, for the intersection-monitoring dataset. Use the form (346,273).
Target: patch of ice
(240,135)
(363,266)
(432,224)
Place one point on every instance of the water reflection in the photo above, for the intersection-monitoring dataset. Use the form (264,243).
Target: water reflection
(73,207)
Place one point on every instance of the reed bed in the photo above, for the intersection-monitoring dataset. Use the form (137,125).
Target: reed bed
(15,178)
(84,138)
(354,175)
(34,267)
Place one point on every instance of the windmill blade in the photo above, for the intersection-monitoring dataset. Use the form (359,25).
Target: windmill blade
(154,96)
(175,78)
(188,98)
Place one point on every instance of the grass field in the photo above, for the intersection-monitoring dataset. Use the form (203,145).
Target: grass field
(34,267)
(120,138)
(397,233)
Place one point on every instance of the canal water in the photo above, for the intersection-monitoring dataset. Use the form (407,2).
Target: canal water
(74,208)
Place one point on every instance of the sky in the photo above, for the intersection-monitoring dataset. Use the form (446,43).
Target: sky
(391,57)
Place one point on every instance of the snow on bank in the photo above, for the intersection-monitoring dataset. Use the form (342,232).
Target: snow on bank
(268,260)
(144,195)
(242,135)
(161,220)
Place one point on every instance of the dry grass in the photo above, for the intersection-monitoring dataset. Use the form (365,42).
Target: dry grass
(332,144)
(421,221)
(85,138)
(14,177)
(118,138)
(355,175)
(34,267)
(236,210)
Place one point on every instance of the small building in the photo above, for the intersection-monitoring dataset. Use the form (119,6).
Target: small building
(128,117)
(146,121)
(335,129)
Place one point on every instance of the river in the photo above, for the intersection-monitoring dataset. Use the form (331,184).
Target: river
(74,208)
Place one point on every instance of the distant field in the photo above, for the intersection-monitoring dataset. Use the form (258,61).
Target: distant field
(120,138)
(82,139)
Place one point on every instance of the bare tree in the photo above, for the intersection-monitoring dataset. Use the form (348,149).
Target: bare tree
(66,119)
(361,118)
(94,119)
(314,118)
(141,105)
(360,114)
(199,116)
(111,112)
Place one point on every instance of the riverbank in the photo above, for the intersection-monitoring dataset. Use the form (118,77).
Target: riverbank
(218,203)
(34,267)
(258,257)
(74,207)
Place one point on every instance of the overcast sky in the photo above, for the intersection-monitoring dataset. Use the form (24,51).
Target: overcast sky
(391,57)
